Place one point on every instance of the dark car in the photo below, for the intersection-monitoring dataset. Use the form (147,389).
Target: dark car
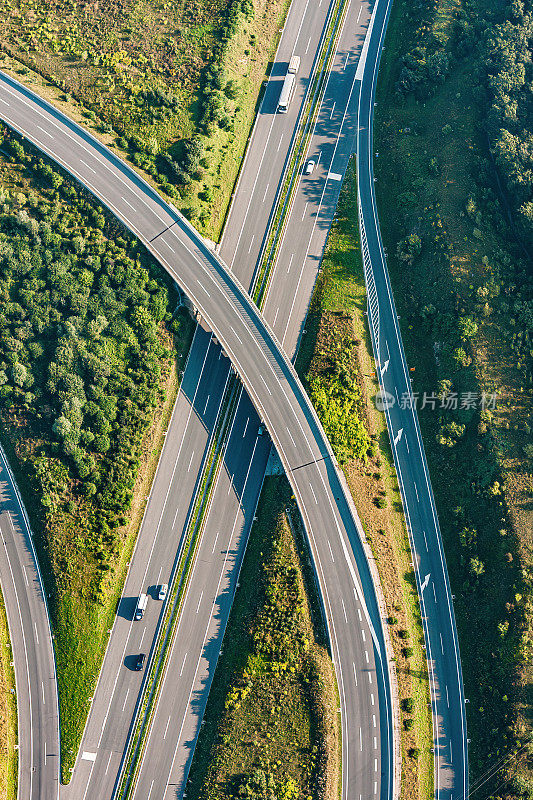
(139,664)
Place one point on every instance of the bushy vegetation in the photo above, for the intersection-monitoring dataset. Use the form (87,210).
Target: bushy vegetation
(335,394)
(271,729)
(465,297)
(174,86)
(135,66)
(336,351)
(506,54)
(86,349)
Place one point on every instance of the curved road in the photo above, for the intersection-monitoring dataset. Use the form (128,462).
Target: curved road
(179,713)
(31,642)
(273,386)
(175,727)
(442,646)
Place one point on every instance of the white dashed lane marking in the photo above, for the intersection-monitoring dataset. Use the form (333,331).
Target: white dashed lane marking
(48,134)
(183,664)
(344,610)
(87,165)
(331,552)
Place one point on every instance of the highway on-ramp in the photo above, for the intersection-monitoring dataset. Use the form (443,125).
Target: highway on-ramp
(442,647)
(271,382)
(31,642)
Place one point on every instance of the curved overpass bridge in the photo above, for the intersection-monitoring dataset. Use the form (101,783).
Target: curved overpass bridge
(348,593)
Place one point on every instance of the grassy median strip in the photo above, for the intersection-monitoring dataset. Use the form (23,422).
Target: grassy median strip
(8,714)
(179,584)
(336,355)
(272,710)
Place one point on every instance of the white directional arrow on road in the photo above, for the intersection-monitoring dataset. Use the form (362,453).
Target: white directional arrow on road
(385,367)
(398,436)
(426,581)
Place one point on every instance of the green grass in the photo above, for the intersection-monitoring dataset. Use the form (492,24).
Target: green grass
(170,48)
(8,714)
(336,316)
(483,482)
(107,54)
(270,713)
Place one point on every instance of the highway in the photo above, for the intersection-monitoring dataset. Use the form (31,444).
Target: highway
(272,384)
(442,647)
(450,733)
(177,717)
(245,461)
(31,641)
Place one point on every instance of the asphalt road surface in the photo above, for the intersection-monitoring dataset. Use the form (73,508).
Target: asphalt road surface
(272,385)
(446,683)
(244,462)
(31,641)
(294,276)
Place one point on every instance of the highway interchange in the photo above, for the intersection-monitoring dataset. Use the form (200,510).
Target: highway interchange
(287,416)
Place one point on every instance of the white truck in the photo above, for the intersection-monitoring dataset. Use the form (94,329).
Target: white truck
(289,85)
(140,608)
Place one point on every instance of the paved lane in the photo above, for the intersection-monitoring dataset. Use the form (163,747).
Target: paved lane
(446,683)
(31,640)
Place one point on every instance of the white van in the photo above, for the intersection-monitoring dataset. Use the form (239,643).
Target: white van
(142,602)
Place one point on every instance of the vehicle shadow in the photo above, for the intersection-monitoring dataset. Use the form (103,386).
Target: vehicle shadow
(131,661)
(126,607)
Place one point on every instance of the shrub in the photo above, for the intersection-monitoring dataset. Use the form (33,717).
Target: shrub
(407,705)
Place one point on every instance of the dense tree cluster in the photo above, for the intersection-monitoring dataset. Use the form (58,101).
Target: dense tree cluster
(507,58)
(81,350)
(271,738)
(456,169)
(425,65)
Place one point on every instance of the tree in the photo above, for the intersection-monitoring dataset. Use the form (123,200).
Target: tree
(477,567)
(409,248)
(62,427)
(20,374)
(467,327)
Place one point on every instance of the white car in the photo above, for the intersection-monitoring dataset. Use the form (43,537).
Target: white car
(162,592)
(309,167)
